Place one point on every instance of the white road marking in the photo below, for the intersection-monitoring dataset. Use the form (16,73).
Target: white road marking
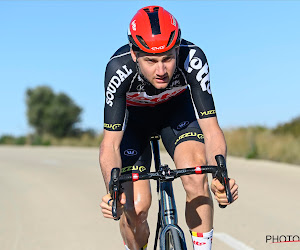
(232,242)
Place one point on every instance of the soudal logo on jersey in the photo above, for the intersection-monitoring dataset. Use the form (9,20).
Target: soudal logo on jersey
(195,63)
(130,152)
(182,125)
(115,83)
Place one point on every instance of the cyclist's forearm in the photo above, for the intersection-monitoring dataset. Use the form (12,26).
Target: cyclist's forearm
(109,158)
(215,144)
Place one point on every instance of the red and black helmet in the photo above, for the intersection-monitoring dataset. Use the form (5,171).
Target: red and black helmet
(153,30)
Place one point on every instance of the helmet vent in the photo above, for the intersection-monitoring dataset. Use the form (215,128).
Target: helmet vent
(171,38)
(155,9)
(142,41)
(154,21)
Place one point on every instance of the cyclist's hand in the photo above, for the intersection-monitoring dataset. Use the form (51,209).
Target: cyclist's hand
(106,205)
(219,191)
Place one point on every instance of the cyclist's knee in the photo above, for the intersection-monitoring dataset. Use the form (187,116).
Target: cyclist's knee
(196,185)
(137,212)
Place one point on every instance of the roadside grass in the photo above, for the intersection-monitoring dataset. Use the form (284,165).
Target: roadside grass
(249,142)
(84,140)
(262,143)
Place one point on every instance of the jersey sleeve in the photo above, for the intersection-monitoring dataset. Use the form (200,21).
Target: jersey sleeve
(117,83)
(195,67)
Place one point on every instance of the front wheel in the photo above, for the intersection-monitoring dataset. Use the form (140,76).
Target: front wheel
(173,240)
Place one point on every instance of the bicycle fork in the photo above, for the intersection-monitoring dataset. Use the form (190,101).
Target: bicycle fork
(167,215)
(167,206)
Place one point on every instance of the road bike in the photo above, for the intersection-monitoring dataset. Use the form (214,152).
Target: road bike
(169,234)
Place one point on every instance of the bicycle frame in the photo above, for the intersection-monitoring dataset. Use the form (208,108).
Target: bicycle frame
(167,214)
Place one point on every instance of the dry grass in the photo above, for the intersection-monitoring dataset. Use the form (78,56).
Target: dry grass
(250,142)
(85,140)
(263,144)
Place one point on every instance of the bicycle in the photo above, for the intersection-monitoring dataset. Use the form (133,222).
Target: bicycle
(167,230)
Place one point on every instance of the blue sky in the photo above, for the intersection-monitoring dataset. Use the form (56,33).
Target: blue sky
(252,49)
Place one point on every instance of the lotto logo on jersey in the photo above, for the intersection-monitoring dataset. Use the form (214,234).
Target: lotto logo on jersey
(195,63)
(115,83)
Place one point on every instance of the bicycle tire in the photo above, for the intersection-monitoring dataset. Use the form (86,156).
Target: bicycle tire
(173,240)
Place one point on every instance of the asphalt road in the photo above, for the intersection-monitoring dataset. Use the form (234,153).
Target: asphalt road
(50,199)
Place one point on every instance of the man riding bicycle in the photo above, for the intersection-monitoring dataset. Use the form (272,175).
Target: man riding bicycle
(159,84)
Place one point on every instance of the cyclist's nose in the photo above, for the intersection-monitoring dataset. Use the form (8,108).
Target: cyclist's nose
(161,69)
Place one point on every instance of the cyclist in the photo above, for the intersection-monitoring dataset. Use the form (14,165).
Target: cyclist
(159,84)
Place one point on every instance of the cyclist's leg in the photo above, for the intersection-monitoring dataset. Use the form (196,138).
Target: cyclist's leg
(184,142)
(136,157)
(199,204)
(187,150)
(133,224)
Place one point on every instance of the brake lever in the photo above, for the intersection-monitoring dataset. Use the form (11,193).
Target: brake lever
(222,175)
(114,189)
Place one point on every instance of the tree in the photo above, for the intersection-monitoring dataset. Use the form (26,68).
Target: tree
(47,112)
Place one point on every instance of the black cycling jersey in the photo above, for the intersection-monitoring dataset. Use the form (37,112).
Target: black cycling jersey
(124,87)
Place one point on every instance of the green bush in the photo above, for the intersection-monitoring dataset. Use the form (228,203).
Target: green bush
(20,140)
(7,139)
(37,140)
(11,140)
